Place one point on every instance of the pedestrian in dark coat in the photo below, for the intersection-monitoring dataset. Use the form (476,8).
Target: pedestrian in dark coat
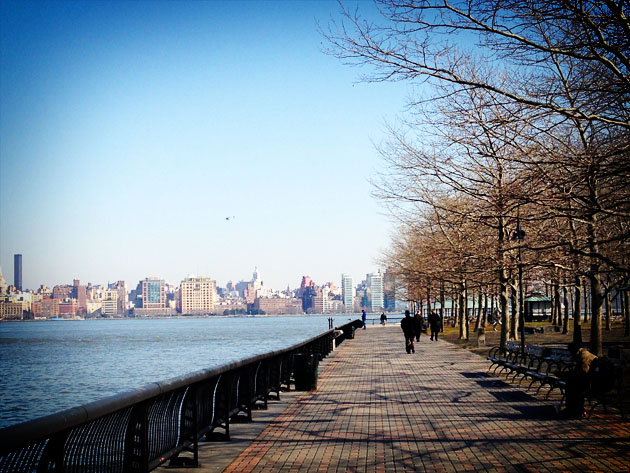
(407,325)
(434,325)
(418,325)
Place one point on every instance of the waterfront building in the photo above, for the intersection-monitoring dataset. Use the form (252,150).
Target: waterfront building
(278,305)
(152,293)
(197,295)
(79,293)
(347,292)
(321,301)
(122,298)
(306,283)
(10,310)
(231,306)
(151,297)
(335,306)
(47,308)
(94,308)
(389,291)
(17,272)
(68,308)
(375,292)
(109,305)
(62,291)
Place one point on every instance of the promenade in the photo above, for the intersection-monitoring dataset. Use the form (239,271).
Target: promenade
(378,409)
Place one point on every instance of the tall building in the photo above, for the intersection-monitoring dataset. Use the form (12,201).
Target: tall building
(17,272)
(389,291)
(122,298)
(375,286)
(152,294)
(79,293)
(347,292)
(197,295)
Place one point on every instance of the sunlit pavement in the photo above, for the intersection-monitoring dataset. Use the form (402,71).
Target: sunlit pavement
(378,409)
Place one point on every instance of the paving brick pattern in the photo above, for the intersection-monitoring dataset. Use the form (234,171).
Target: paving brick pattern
(378,409)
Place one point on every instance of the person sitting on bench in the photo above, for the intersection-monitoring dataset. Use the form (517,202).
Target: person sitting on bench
(577,381)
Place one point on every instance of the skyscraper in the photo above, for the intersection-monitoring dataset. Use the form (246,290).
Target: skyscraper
(347,292)
(375,285)
(17,272)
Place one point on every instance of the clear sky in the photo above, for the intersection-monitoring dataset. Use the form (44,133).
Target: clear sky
(129,131)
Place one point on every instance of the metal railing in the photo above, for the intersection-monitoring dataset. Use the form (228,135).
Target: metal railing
(139,430)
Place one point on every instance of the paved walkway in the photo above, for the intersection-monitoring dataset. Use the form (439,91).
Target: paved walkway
(378,409)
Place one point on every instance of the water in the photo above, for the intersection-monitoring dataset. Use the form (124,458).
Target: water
(50,366)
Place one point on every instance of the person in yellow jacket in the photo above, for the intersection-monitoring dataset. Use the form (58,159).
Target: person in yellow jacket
(577,381)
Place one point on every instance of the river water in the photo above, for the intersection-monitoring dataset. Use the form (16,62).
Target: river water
(49,366)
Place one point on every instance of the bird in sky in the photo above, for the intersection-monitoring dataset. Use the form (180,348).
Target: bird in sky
(229,218)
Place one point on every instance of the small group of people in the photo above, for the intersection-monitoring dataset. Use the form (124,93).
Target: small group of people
(413,327)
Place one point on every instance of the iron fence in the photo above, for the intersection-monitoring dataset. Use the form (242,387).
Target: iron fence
(139,430)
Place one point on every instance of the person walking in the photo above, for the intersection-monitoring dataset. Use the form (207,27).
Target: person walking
(383,319)
(364,319)
(418,325)
(434,325)
(407,326)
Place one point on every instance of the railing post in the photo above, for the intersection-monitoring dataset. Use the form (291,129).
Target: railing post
(136,456)
(189,430)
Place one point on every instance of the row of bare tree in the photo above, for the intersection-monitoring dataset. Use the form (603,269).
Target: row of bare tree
(515,151)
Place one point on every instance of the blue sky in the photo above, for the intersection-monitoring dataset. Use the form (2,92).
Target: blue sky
(130,131)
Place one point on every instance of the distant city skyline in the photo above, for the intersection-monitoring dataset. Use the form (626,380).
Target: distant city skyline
(190,138)
(295,284)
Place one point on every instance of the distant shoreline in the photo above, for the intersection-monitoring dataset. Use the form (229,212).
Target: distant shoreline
(151,317)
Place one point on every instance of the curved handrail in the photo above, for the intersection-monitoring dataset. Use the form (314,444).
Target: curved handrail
(43,429)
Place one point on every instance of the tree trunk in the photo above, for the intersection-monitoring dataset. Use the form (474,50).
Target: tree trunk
(577,311)
(466,325)
(626,303)
(442,303)
(558,303)
(565,322)
(586,301)
(503,307)
(428,296)
(553,305)
(514,314)
(608,310)
(596,310)
(484,320)
(455,308)
(462,313)
(479,312)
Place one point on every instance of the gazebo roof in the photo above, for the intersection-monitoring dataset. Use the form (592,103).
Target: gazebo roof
(537,298)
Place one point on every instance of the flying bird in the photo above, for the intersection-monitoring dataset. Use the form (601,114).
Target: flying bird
(229,218)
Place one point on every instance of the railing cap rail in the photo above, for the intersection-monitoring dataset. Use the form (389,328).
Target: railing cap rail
(14,436)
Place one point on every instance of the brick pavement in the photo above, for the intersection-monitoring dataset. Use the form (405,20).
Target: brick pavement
(378,409)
